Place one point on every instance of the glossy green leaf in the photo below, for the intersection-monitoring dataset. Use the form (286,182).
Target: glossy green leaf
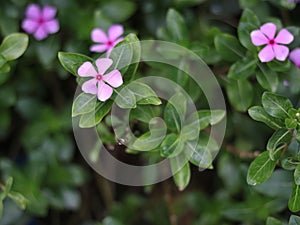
(276,105)
(294,220)
(13,46)
(125,98)
(3,61)
(72,61)
(258,113)
(118,11)
(273,221)
(84,103)
(176,25)
(94,117)
(279,66)
(240,94)
(290,123)
(267,78)
(242,69)
(5,68)
(248,23)
(144,94)
(281,136)
(181,171)
(175,111)
(171,146)
(260,169)
(229,47)
(297,175)
(294,201)
(142,113)
(19,199)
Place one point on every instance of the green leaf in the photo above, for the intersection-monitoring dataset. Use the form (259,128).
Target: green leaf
(273,221)
(151,139)
(294,220)
(8,185)
(171,146)
(279,66)
(242,69)
(181,171)
(72,61)
(5,68)
(19,199)
(294,201)
(142,113)
(297,175)
(92,118)
(125,98)
(176,25)
(260,169)
(1,208)
(175,110)
(248,23)
(267,78)
(186,3)
(240,94)
(84,103)
(13,46)
(276,105)
(281,136)
(118,11)
(290,123)
(3,61)
(144,94)
(259,114)
(229,47)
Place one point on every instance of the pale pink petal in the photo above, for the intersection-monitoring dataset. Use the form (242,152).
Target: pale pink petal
(109,51)
(103,64)
(33,11)
(269,29)
(258,38)
(104,91)
(114,78)
(29,25)
(295,56)
(98,35)
(266,54)
(51,26)
(114,32)
(90,86)
(98,48)
(40,33)
(87,70)
(284,37)
(281,52)
(48,12)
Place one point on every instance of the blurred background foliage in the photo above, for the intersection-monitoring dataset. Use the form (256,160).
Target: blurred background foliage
(39,152)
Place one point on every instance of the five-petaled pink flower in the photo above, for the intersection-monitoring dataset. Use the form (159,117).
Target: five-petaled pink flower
(40,21)
(295,57)
(106,42)
(273,49)
(101,83)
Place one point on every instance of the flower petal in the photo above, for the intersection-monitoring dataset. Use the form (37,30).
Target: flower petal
(48,12)
(103,64)
(90,86)
(295,56)
(40,33)
(284,37)
(258,38)
(98,48)
(104,91)
(281,52)
(269,29)
(98,35)
(114,32)
(87,70)
(114,78)
(266,54)
(51,26)
(29,26)
(33,11)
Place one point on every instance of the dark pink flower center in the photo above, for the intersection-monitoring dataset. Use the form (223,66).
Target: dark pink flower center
(41,20)
(99,77)
(272,42)
(110,43)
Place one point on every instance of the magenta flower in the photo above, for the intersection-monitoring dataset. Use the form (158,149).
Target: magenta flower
(40,21)
(101,83)
(106,42)
(273,49)
(295,57)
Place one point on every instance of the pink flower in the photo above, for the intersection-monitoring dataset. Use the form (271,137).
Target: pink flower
(101,83)
(273,49)
(295,57)
(106,42)
(40,21)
